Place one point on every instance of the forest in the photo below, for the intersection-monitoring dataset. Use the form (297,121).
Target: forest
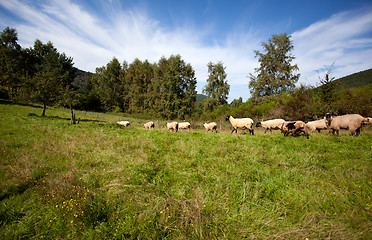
(167,89)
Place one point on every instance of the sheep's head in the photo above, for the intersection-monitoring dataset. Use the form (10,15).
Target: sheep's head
(227,118)
(287,126)
(328,117)
(258,124)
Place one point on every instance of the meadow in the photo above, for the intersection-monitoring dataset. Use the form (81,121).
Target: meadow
(96,180)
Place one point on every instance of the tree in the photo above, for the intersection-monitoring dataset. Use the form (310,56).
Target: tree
(54,74)
(217,88)
(275,74)
(108,85)
(173,88)
(236,102)
(12,64)
(326,90)
(138,78)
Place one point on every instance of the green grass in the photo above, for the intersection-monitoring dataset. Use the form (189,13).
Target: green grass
(96,180)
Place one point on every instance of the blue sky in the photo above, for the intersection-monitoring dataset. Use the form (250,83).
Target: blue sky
(93,32)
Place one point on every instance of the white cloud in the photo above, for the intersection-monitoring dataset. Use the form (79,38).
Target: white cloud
(341,39)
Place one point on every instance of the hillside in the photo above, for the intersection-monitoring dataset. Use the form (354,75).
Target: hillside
(81,79)
(200,97)
(359,79)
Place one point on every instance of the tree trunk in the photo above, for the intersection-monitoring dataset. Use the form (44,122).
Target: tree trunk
(73,120)
(43,115)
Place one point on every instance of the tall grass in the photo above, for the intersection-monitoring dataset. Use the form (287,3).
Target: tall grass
(96,180)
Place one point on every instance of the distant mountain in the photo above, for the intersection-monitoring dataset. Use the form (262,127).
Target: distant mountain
(200,97)
(356,80)
(81,79)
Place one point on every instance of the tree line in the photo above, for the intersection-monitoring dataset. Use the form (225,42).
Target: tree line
(167,88)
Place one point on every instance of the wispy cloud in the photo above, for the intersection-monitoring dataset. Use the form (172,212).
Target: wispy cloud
(94,38)
(343,39)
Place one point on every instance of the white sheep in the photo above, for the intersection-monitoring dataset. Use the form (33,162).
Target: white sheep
(243,123)
(172,126)
(274,124)
(210,126)
(184,125)
(317,125)
(353,122)
(149,125)
(123,123)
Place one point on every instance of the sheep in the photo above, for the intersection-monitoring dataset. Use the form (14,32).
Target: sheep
(149,125)
(172,126)
(243,123)
(271,124)
(294,127)
(353,122)
(184,125)
(123,123)
(317,125)
(210,126)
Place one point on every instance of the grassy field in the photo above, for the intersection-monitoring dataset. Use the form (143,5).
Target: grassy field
(95,180)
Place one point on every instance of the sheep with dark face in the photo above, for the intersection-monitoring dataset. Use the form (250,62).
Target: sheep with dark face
(271,124)
(242,123)
(295,128)
(353,122)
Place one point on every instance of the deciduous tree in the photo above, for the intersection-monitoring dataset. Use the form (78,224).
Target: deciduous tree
(217,88)
(54,74)
(276,73)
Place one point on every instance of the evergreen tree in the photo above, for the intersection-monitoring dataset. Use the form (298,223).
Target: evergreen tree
(327,91)
(275,74)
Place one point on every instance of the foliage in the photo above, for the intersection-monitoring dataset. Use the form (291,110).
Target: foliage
(173,88)
(53,74)
(12,61)
(217,88)
(107,83)
(96,180)
(275,74)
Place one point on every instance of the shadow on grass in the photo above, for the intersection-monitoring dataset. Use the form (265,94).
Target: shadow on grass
(65,118)
(11,102)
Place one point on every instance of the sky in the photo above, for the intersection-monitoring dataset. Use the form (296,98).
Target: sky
(326,34)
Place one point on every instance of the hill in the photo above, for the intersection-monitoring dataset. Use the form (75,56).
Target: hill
(356,80)
(81,79)
(200,97)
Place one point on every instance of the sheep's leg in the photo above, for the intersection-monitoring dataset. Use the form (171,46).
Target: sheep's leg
(357,132)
